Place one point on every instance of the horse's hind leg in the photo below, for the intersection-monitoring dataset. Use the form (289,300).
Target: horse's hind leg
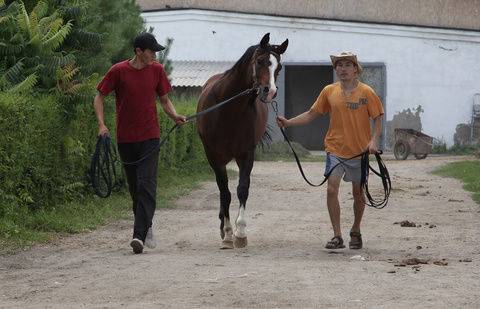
(224,215)
(245,166)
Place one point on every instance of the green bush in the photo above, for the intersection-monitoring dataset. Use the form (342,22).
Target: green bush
(43,157)
(462,150)
(42,41)
(45,153)
(439,146)
(52,52)
(183,148)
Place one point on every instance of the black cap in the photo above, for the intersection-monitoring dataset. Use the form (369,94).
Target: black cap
(147,40)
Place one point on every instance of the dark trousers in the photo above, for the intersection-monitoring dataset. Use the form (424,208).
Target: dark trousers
(142,182)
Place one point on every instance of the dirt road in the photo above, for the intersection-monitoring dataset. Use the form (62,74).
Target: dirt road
(285,263)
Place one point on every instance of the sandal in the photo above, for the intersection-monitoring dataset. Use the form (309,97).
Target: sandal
(355,240)
(335,243)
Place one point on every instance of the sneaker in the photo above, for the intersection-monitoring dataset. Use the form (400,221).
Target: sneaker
(137,245)
(150,241)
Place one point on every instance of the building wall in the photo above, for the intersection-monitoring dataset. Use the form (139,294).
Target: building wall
(435,68)
(462,14)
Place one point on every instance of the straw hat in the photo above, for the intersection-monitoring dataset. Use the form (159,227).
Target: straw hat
(346,56)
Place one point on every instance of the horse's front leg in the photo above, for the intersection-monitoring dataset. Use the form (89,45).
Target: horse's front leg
(245,166)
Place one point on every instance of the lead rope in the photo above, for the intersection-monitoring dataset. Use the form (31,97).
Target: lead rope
(365,167)
(103,166)
(384,176)
(189,118)
(104,173)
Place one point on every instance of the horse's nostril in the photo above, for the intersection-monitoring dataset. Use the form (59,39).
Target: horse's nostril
(265,89)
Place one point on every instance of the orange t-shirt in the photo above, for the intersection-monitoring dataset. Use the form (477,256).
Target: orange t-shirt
(349,132)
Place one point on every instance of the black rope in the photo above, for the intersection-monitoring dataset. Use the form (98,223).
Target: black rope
(365,168)
(189,118)
(105,174)
(384,176)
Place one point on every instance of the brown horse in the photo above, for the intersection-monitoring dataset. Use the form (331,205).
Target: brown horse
(233,130)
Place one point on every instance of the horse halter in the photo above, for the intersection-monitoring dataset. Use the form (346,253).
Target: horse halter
(262,91)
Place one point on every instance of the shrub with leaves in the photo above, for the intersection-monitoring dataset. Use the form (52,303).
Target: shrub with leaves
(183,149)
(103,31)
(37,38)
(52,54)
(29,46)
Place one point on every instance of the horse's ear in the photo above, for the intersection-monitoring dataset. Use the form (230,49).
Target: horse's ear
(282,48)
(265,40)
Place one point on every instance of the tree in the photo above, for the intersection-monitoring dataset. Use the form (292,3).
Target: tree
(103,33)
(29,46)
(39,38)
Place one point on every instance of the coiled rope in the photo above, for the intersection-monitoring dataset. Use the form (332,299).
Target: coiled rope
(365,168)
(105,172)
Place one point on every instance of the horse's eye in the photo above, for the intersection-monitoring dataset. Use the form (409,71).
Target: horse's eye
(264,62)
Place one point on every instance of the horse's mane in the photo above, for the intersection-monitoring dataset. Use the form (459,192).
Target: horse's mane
(267,136)
(244,59)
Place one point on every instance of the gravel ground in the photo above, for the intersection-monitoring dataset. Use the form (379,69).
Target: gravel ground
(434,264)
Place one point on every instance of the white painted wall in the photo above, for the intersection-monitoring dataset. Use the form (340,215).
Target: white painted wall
(436,68)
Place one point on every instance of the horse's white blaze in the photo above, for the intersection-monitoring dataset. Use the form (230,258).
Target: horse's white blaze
(241,223)
(272,88)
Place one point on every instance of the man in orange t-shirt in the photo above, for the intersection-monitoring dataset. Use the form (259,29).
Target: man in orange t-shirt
(351,104)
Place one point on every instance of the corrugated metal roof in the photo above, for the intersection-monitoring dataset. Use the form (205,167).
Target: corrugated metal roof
(196,73)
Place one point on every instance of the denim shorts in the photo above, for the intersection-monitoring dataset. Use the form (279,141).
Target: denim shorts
(350,170)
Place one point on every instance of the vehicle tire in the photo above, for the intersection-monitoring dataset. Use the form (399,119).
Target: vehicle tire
(401,150)
(420,156)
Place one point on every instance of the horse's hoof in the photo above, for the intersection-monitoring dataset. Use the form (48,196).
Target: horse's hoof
(239,242)
(227,244)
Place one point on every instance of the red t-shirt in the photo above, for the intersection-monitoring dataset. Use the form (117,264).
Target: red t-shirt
(136,92)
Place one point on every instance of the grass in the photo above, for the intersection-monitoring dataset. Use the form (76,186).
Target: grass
(175,184)
(466,171)
(291,158)
(441,148)
(25,227)
(280,151)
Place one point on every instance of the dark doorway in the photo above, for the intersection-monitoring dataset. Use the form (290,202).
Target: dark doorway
(303,84)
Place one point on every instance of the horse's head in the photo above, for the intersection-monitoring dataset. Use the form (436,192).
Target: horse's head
(266,64)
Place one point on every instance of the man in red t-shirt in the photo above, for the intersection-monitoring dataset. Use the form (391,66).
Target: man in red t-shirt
(137,83)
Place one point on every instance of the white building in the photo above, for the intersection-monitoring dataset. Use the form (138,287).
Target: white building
(435,67)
